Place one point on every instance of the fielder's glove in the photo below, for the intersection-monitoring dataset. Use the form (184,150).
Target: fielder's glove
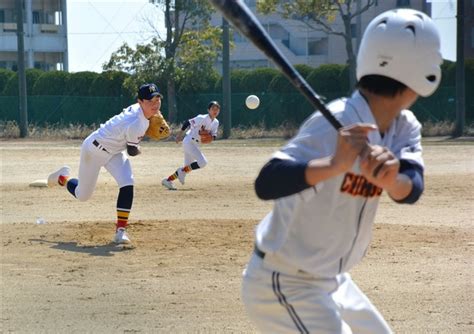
(158,128)
(206,136)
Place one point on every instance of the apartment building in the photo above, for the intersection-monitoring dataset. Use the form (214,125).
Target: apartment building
(303,45)
(45,34)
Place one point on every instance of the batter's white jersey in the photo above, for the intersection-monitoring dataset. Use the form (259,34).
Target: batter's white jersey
(126,128)
(326,229)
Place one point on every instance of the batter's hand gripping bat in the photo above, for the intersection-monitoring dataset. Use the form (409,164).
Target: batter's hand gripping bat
(237,13)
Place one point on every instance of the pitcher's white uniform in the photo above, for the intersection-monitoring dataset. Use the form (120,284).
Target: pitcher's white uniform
(192,139)
(105,148)
(313,238)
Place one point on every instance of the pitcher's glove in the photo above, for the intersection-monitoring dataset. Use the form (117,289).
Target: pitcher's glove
(206,136)
(158,128)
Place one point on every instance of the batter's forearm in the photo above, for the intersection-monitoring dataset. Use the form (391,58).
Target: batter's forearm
(319,170)
(401,188)
(409,185)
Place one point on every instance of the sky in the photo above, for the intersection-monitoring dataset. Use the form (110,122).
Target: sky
(97,28)
(443,13)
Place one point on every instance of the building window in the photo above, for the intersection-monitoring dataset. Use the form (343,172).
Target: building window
(353,30)
(318,47)
(276,31)
(2,16)
(403,3)
(36,17)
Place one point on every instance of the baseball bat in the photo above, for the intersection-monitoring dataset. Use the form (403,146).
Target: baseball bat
(242,18)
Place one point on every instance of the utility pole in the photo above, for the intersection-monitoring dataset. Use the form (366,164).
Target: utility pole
(460,72)
(358,26)
(226,105)
(21,71)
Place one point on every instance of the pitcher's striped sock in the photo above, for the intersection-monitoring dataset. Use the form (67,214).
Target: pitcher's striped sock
(124,205)
(122,217)
(62,180)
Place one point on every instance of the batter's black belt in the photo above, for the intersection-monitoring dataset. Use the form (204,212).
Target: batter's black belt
(258,252)
(96,144)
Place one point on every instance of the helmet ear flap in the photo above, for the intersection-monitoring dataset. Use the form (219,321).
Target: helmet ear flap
(411,28)
(403,45)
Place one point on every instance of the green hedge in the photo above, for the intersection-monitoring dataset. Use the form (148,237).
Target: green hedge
(11,87)
(89,97)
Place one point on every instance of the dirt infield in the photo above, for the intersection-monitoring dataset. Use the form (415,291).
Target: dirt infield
(190,246)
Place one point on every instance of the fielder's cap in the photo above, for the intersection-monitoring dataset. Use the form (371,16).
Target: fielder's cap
(213,103)
(148,91)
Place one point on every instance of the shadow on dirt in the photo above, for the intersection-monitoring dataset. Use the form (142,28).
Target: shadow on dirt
(94,250)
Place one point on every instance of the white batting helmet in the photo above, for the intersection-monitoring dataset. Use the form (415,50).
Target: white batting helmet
(402,44)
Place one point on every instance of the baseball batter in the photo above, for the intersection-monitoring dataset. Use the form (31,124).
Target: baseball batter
(327,185)
(201,129)
(106,148)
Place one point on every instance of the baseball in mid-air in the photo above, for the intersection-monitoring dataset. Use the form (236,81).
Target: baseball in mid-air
(252,101)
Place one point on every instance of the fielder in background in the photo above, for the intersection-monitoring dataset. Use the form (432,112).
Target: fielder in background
(327,184)
(106,148)
(200,129)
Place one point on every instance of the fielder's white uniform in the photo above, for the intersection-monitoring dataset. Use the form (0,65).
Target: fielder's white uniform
(311,239)
(192,139)
(105,148)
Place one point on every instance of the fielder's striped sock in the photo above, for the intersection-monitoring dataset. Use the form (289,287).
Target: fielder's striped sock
(173,176)
(186,169)
(122,217)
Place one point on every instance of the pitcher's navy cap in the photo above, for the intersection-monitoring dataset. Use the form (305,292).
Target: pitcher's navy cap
(148,91)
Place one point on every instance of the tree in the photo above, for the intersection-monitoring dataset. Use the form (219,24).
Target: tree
(318,15)
(195,59)
(179,16)
(172,58)
(145,63)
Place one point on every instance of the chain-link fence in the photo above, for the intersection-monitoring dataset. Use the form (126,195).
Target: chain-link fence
(274,110)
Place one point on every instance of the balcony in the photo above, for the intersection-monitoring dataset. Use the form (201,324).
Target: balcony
(49,28)
(8,27)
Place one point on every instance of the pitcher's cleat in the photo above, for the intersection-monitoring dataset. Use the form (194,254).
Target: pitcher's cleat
(168,184)
(58,177)
(121,236)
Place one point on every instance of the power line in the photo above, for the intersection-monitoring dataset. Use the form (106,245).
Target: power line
(107,33)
